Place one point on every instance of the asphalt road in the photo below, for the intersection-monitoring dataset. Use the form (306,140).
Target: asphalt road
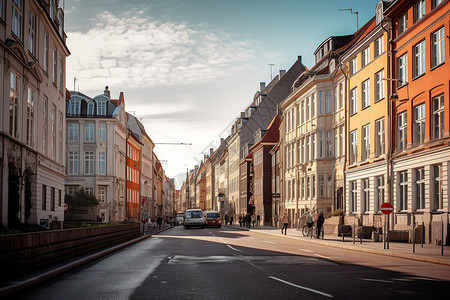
(224,263)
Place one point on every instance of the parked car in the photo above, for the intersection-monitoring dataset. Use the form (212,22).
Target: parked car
(180,218)
(212,218)
(194,217)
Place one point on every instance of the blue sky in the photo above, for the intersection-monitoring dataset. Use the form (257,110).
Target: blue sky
(188,67)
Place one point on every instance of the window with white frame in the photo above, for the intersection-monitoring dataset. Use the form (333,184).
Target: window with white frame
(55,67)
(353,66)
(403,190)
(313,146)
(321,153)
(328,101)
(101,163)
(313,105)
(61,74)
(365,101)
(353,101)
(402,131)
(303,155)
(321,186)
(75,107)
(308,187)
(365,57)
(380,132)
(379,85)
(379,46)
(45,125)
(89,162)
(302,112)
(90,109)
(313,186)
(89,132)
(73,132)
(89,190)
(403,23)
(437,199)
(307,108)
(30,117)
(60,135)
(435,3)
(321,103)
(419,124)
(32,33)
(353,146)
(14,106)
(329,148)
(102,132)
(341,140)
(53,120)
(46,51)
(2,9)
(16,19)
(420,188)
(307,149)
(419,10)
(354,195)
(403,69)
(73,163)
(419,59)
(366,142)
(101,194)
(365,195)
(379,192)
(438,47)
(71,190)
(341,95)
(438,116)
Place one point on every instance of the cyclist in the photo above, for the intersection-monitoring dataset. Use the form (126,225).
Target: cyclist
(310,222)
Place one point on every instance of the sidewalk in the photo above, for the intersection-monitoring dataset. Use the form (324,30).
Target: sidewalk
(429,253)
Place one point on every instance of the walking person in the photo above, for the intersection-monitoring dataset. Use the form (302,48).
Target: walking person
(253,220)
(159,221)
(320,221)
(285,222)
(310,222)
(226,219)
(240,220)
(231,220)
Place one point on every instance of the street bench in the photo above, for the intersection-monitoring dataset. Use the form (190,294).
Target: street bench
(344,230)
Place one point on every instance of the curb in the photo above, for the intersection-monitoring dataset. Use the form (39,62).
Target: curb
(440,261)
(30,282)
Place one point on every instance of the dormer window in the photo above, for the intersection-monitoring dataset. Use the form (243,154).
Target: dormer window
(51,10)
(90,109)
(419,10)
(101,108)
(74,107)
(379,12)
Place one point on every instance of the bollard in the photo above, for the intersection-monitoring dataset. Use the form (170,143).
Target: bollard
(413,234)
(442,239)
(354,232)
(423,233)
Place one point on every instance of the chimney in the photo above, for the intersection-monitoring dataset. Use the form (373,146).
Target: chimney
(211,150)
(262,86)
(106,92)
(242,114)
(300,58)
(282,72)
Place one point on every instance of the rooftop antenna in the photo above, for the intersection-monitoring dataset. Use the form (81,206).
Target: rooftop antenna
(74,83)
(353,13)
(271,73)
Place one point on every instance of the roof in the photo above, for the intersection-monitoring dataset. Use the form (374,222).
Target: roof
(272,135)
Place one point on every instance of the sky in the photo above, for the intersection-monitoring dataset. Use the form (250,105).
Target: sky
(187,68)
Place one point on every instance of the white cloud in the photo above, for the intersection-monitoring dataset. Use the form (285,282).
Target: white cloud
(136,52)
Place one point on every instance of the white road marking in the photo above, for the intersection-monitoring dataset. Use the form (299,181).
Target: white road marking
(269,242)
(322,256)
(377,280)
(305,250)
(302,287)
(233,248)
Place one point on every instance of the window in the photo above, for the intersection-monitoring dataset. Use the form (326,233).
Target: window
(353,146)
(379,47)
(102,163)
(313,105)
(51,10)
(403,23)
(353,101)
(354,195)
(308,186)
(419,59)
(353,66)
(75,107)
(419,10)
(365,94)
(46,47)
(403,69)
(379,144)
(44,197)
(321,186)
(52,199)
(341,142)
(438,116)
(435,3)
(366,142)
(420,188)
(379,85)
(437,47)
(45,127)
(437,188)
(307,149)
(313,146)
(379,193)
(73,131)
(321,104)
(32,33)
(366,195)
(403,190)
(14,106)
(53,120)
(329,145)
(402,130)
(101,108)
(102,132)
(102,194)
(55,66)
(307,108)
(90,109)
(328,102)
(419,124)
(365,57)
(2,9)
(341,95)
(89,190)
(302,113)
(73,162)
(61,74)
(89,132)
(16,19)
(89,162)
(30,117)
(61,138)
(321,145)
(314,186)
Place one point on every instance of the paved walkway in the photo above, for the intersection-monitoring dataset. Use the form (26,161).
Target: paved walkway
(429,253)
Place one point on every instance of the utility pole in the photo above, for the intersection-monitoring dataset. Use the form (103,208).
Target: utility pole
(353,13)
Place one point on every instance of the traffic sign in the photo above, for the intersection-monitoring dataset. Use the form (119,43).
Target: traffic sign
(386,208)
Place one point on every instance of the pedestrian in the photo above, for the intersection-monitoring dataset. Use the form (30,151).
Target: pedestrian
(248,219)
(258,218)
(285,222)
(320,221)
(159,221)
(253,220)
(310,222)
(240,220)
(231,220)
(226,219)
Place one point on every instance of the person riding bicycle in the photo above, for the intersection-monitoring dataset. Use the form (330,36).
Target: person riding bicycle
(320,221)
(310,222)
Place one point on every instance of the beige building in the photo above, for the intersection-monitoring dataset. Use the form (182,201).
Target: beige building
(33,54)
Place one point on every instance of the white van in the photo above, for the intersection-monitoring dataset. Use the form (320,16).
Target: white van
(194,217)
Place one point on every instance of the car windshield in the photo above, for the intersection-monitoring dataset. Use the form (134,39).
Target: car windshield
(212,215)
(194,214)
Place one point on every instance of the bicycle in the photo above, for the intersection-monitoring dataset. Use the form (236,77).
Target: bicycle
(311,231)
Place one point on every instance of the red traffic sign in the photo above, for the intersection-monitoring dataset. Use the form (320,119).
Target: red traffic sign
(386,208)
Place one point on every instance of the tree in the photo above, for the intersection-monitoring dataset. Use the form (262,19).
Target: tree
(81,201)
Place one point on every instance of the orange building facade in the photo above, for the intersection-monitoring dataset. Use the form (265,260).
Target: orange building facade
(420,123)
(133,179)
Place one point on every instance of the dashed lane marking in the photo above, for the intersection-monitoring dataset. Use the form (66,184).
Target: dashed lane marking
(302,287)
